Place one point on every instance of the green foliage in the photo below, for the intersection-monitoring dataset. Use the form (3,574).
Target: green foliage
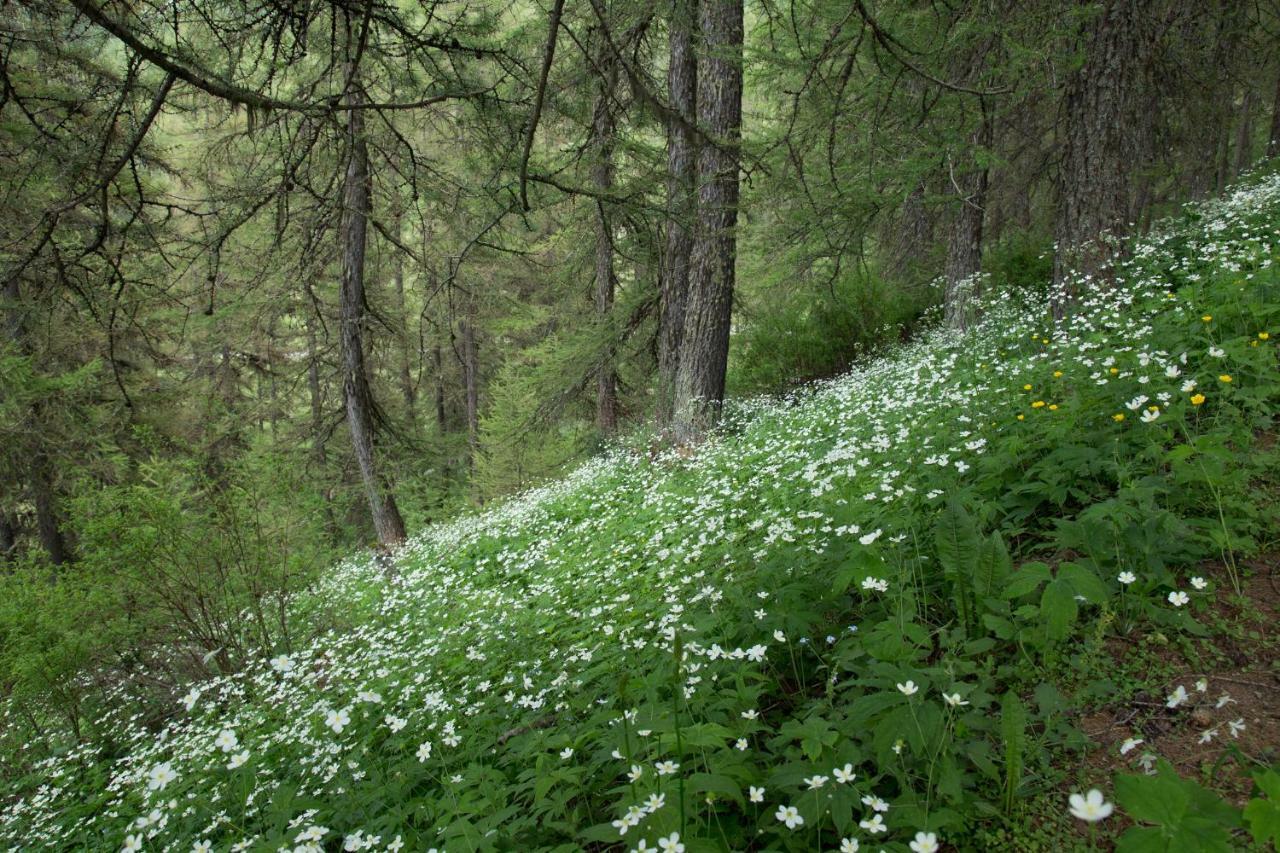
(177,567)
(1013,735)
(1175,814)
(1263,812)
(795,331)
(869,604)
(1020,260)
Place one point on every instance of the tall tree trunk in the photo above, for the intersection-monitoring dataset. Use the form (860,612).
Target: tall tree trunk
(682,156)
(8,538)
(45,499)
(39,469)
(964,248)
(469,358)
(602,142)
(406,349)
(1102,104)
(358,396)
(437,363)
(704,346)
(318,454)
(1244,135)
(1273,141)
(1222,174)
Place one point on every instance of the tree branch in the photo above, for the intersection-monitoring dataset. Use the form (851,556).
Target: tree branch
(553,30)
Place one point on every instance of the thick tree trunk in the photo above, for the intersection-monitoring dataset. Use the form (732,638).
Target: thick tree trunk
(8,538)
(681,200)
(1273,141)
(39,471)
(964,248)
(602,142)
(1099,152)
(704,347)
(358,396)
(45,499)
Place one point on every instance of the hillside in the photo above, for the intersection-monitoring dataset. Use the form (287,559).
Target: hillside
(932,597)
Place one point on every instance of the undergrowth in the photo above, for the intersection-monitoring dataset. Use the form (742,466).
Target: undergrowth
(860,615)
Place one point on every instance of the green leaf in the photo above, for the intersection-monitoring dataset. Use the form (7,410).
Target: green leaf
(956,538)
(1084,582)
(714,783)
(993,569)
(1144,839)
(1263,815)
(1058,609)
(1013,731)
(1155,799)
(1025,579)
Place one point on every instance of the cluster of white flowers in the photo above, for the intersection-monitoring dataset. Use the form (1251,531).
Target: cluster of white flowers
(458,648)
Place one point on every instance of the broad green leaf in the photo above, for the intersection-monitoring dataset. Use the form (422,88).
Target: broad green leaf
(714,783)
(1157,799)
(1085,582)
(1058,609)
(1025,579)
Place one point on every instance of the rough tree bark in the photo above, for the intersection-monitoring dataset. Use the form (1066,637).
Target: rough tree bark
(682,155)
(1103,99)
(8,539)
(964,247)
(39,471)
(602,143)
(358,396)
(45,499)
(704,347)
(1273,141)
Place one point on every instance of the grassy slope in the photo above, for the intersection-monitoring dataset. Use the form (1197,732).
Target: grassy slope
(720,611)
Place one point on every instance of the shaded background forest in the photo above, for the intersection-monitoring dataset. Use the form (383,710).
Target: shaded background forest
(285,280)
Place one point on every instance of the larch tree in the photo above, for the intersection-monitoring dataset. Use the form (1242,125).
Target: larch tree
(704,343)
(1103,101)
(682,163)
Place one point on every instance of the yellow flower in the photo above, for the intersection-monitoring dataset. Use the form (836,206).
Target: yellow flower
(1026,387)
(1262,336)
(1037,404)
(1226,377)
(1207,317)
(1057,374)
(1197,399)
(1114,371)
(1118,417)
(1044,340)
(1053,407)
(1022,417)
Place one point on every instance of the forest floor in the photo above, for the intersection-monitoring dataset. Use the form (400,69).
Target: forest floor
(922,606)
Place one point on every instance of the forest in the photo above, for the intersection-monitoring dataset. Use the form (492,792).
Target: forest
(412,409)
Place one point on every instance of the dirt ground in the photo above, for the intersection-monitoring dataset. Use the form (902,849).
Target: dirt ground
(1241,688)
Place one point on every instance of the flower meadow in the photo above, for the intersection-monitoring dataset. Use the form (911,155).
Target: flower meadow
(861,617)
